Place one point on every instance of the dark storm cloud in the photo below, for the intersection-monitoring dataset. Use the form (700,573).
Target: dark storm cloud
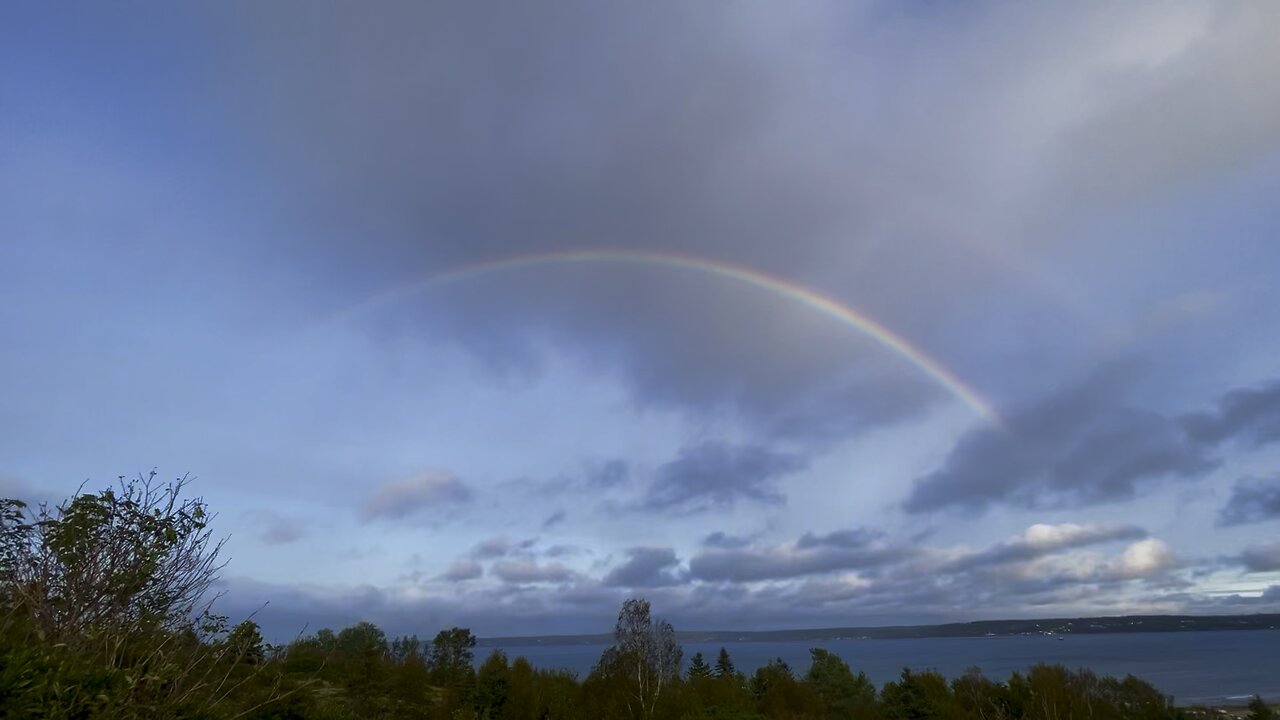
(1261,558)
(1250,415)
(445,135)
(645,567)
(1081,446)
(1252,500)
(716,475)
(424,494)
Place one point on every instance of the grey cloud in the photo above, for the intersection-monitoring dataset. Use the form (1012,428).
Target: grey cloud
(610,474)
(491,548)
(721,539)
(527,144)
(398,500)
(524,571)
(272,528)
(791,560)
(1249,414)
(1261,558)
(462,570)
(858,537)
(710,149)
(554,519)
(501,547)
(716,475)
(565,550)
(909,586)
(1252,500)
(282,531)
(1162,129)
(1081,446)
(645,567)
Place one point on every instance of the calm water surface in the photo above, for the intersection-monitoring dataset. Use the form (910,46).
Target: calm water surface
(1223,667)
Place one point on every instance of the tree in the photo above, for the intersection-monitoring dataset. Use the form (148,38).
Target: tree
(105,609)
(246,641)
(778,694)
(841,694)
(493,682)
(647,653)
(724,666)
(451,656)
(698,668)
(139,557)
(363,648)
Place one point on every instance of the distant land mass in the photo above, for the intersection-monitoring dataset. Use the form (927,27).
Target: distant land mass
(980,628)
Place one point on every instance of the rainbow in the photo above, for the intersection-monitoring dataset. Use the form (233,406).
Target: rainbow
(777,286)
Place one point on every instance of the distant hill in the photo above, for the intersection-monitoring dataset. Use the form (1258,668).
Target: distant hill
(1041,626)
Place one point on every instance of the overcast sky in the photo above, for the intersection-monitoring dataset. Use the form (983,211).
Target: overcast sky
(780,315)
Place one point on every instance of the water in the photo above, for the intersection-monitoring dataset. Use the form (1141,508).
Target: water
(1213,668)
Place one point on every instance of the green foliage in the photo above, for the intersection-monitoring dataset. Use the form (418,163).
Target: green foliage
(779,694)
(724,666)
(840,693)
(918,695)
(100,611)
(493,685)
(698,668)
(643,663)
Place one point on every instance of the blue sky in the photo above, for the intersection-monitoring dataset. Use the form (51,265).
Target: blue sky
(1071,209)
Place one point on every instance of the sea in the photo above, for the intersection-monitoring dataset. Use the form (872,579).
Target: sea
(1224,667)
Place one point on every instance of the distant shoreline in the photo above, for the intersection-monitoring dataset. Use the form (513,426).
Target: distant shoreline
(980,628)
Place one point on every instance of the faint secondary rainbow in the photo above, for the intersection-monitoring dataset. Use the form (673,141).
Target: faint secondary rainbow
(777,286)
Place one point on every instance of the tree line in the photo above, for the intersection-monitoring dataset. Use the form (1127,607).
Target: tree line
(104,613)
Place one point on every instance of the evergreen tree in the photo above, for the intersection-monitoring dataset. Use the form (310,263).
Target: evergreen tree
(724,666)
(698,668)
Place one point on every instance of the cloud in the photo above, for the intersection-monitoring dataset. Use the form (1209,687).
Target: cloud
(716,475)
(554,519)
(859,537)
(1261,558)
(462,570)
(275,529)
(610,474)
(398,500)
(1143,559)
(645,567)
(524,571)
(810,555)
(1041,539)
(1252,500)
(721,539)
(1247,414)
(491,548)
(1081,446)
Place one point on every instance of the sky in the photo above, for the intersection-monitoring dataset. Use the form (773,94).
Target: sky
(496,314)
